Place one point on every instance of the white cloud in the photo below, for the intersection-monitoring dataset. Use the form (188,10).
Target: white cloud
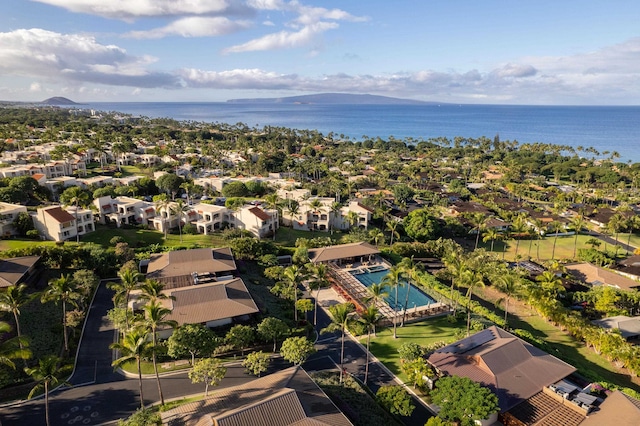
(131,9)
(35,87)
(73,57)
(284,39)
(194,26)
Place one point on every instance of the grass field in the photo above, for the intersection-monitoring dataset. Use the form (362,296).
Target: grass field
(144,237)
(14,244)
(564,247)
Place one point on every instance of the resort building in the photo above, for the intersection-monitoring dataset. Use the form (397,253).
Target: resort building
(285,398)
(84,217)
(8,213)
(202,287)
(260,222)
(317,214)
(124,210)
(210,217)
(54,223)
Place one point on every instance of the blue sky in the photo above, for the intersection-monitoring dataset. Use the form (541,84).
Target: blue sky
(462,51)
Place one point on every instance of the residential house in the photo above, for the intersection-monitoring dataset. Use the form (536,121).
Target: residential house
(285,398)
(595,275)
(512,368)
(210,217)
(84,217)
(260,222)
(54,223)
(322,218)
(618,409)
(364,213)
(629,327)
(124,210)
(8,213)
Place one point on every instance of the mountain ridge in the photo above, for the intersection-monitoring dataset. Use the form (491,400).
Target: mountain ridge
(58,100)
(335,98)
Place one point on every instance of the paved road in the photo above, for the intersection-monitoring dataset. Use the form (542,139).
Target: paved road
(112,396)
(328,357)
(610,240)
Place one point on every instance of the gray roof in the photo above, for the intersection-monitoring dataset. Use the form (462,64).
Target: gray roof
(512,368)
(12,270)
(344,251)
(287,397)
(628,326)
(617,409)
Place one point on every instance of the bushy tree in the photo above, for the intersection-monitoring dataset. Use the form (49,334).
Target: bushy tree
(235,189)
(209,371)
(421,225)
(142,417)
(296,350)
(410,350)
(240,336)
(192,339)
(396,400)
(23,223)
(463,400)
(256,363)
(272,328)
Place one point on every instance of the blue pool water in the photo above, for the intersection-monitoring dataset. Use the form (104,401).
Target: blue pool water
(416,296)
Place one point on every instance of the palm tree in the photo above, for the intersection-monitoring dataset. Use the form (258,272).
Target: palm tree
(509,283)
(14,348)
(318,281)
(162,207)
(180,208)
(412,271)
(152,290)
(133,346)
(492,235)
(129,281)
(393,280)
(392,226)
(63,290)
(340,315)
(11,300)
(155,317)
(369,317)
(615,224)
(477,220)
(293,208)
(473,280)
(46,374)
(378,293)
(556,227)
(577,223)
(334,211)
(517,228)
(294,275)
(377,236)
(352,218)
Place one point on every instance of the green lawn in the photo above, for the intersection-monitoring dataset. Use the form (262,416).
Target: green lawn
(14,244)
(564,247)
(143,237)
(385,347)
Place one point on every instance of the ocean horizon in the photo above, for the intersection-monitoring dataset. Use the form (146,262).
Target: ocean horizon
(604,128)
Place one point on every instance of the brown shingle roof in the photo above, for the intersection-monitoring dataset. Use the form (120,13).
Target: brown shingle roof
(512,368)
(543,410)
(344,251)
(259,213)
(288,397)
(184,262)
(59,215)
(617,409)
(210,302)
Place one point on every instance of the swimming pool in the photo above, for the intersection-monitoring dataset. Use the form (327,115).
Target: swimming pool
(416,296)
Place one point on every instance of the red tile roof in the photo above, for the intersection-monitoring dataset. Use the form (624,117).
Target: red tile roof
(261,214)
(59,215)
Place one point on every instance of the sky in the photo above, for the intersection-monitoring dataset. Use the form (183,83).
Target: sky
(538,52)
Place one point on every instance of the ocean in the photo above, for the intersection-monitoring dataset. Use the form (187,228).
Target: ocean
(605,128)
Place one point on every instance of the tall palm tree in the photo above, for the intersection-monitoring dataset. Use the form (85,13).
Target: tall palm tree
(472,281)
(155,317)
(46,374)
(556,227)
(293,209)
(180,208)
(11,300)
(162,204)
(340,315)
(509,283)
(129,281)
(152,290)
(64,290)
(577,223)
(393,280)
(133,346)
(352,218)
(378,293)
(369,318)
(491,234)
(13,348)
(477,220)
(392,226)
(615,225)
(334,211)
(518,226)
(318,280)
(412,270)
(294,275)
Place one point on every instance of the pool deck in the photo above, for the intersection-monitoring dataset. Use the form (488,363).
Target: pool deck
(352,290)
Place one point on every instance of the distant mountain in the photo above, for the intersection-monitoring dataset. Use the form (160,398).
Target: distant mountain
(334,98)
(58,100)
